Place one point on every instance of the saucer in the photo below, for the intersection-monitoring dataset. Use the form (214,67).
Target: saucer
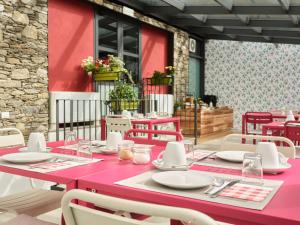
(25,149)
(159,164)
(275,170)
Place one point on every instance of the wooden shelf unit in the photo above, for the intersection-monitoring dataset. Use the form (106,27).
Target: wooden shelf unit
(209,121)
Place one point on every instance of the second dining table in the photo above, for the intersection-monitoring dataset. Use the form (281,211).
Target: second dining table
(149,122)
(284,207)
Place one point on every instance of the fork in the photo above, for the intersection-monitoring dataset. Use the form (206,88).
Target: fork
(40,165)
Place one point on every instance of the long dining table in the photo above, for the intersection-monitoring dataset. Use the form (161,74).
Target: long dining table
(69,176)
(283,209)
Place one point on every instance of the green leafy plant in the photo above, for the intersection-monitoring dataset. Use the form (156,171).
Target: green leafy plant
(178,105)
(123,91)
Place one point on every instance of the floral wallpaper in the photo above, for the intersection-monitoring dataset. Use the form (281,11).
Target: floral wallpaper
(250,76)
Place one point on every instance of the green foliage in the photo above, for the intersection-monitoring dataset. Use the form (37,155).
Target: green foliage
(123,91)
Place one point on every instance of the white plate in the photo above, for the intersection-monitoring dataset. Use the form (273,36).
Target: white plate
(159,164)
(233,156)
(26,157)
(104,150)
(183,179)
(25,149)
(98,143)
(280,169)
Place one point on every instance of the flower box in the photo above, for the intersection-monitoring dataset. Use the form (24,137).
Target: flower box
(108,76)
(124,105)
(167,80)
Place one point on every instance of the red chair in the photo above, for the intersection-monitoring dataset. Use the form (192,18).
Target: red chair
(131,135)
(292,131)
(256,120)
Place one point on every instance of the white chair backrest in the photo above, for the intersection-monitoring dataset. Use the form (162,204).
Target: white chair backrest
(11,137)
(80,215)
(233,142)
(114,124)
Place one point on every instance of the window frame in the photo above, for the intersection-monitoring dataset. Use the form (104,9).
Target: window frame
(120,52)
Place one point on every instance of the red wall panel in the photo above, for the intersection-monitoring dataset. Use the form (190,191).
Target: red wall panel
(154,50)
(71,38)
(154,55)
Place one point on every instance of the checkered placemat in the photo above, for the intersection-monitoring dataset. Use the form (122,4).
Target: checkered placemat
(247,192)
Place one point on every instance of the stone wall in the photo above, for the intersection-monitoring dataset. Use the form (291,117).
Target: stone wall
(181,45)
(24,64)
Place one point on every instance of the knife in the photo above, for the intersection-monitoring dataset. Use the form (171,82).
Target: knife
(214,193)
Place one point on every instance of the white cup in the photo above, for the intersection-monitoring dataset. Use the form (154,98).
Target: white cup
(153,114)
(36,142)
(126,114)
(269,153)
(113,140)
(173,155)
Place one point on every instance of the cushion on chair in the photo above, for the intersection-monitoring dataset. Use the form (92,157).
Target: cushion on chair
(26,220)
(32,202)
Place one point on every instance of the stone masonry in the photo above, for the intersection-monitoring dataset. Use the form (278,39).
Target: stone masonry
(24,64)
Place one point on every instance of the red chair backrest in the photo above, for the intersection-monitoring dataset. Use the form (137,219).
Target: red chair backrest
(145,140)
(258,118)
(292,131)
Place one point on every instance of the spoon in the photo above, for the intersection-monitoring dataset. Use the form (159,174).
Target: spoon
(218,182)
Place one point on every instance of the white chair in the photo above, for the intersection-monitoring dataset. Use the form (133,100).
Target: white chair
(234,142)
(32,201)
(117,124)
(13,137)
(80,215)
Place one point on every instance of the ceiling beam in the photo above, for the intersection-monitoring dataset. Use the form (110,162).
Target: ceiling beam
(227,4)
(132,4)
(255,39)
(250,31)
(257,29)
(295,19)
(175,3)
(220,10)
(285,4)
(234,22)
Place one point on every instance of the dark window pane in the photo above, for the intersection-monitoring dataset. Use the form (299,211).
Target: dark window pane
(131,38)
(107,32)
(132,65)
(103,54)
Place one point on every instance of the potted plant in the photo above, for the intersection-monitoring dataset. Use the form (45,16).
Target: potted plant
(178,105)
(109,68)
(163,78)
(123,97)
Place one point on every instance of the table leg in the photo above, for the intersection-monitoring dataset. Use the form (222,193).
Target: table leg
(150,127)
(177,125)
(103,129)
(243,128)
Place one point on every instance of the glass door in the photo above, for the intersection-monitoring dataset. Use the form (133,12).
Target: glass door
(194,77)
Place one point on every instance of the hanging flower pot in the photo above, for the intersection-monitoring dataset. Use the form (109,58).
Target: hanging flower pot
(108,76)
